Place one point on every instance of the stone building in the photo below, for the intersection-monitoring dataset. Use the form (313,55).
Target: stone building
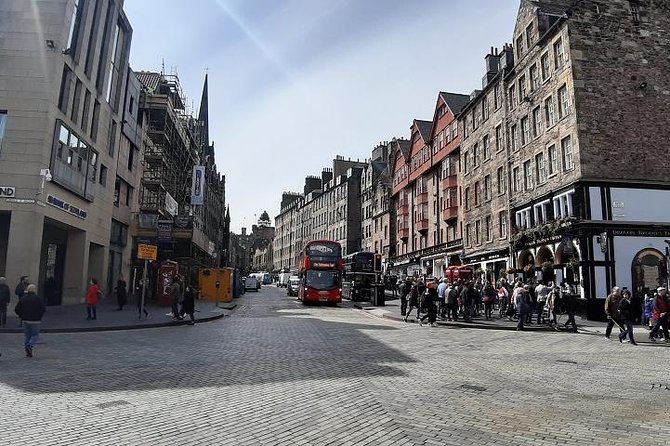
(375,224)
(424,192)
(484,172)
(587,106)
(68,136)
(328,209)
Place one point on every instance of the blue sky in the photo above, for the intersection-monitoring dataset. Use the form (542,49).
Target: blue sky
(293,83)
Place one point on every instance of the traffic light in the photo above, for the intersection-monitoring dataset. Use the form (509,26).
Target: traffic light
(378,262)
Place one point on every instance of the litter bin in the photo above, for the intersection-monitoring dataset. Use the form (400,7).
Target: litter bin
(378,296)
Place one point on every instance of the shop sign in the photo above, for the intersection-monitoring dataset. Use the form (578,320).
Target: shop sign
(164,230)
(7,192)
(67,207)
(198,186)
(183,222)
(147,252)
(640,232)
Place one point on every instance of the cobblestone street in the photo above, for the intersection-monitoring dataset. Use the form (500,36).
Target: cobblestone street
(276,372)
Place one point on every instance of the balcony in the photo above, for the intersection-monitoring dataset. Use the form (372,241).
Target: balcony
(422,198)
(422,225)
(403,209)
(449,182)
(403,233)
(450,213)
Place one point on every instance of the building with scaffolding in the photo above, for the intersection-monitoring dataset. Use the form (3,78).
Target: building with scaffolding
(185,221)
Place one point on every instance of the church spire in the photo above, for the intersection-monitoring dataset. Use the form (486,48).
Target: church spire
(203,116)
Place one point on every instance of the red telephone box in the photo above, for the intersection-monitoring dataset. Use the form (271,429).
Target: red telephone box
(166,272)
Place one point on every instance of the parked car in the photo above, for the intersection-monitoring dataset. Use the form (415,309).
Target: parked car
(292,286)
(252,283)
(283,279)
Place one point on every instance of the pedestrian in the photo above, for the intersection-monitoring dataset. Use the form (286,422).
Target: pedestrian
(488,299)
(5,295)
(92,298)
(20,289)
(452,302)
(541,292)
(175,294)
(142,308)
(413,301)
(660,315)
(636,304)
(522,299)
(611,306)
(567,301)
(121,292)
(648,308)
(188,304)
(625,315)
(430,299)
(468,299)
(30,308)
(442,297)
(405,290)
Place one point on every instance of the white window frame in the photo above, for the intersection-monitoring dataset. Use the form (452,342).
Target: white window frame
(562,203)
(540,211)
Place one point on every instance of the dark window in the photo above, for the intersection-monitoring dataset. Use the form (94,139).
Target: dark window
(76,101)
(85,111)
(65,86)
(103,175)
(130,106)
(95,121)
(117,192)
(635,11)
(112,138)
(3,125)
(102,62)
(75,25)
(131,156)
(90,51)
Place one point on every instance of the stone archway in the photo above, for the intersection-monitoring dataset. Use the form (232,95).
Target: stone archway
(648,271)
(543,255)
(525,258)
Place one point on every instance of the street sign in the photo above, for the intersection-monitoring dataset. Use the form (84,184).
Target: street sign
(147,252)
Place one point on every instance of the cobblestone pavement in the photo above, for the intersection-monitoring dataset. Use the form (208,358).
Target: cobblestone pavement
(278,373)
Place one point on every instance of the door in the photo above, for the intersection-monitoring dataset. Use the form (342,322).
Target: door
(648,271)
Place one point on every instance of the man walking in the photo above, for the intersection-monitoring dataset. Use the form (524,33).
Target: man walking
(451,297)
(625,315)
(175,294)
(30,309)
(542,291)
(20,289)
(430,303)
(611,307)
(5,295)
(660,314)
(442,297)
(405,289)
(522,299)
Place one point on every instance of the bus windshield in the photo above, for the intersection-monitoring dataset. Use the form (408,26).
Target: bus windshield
(322,280)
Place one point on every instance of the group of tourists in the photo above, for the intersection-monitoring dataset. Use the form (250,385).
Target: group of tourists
(468,299)
(184,296)
(621,311)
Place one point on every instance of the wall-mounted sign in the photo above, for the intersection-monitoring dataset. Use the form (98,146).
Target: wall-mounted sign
(67,207)
(7,192)
(164,230)
(198,186)
(171,205)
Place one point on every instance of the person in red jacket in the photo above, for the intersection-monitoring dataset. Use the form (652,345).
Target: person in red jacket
(92,299)
(660,314)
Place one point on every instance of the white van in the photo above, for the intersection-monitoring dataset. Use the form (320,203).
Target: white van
(252,283)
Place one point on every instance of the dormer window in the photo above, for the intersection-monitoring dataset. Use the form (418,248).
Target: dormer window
(530,35)
(519,46)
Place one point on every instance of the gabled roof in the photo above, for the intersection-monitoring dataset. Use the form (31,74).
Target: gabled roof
(404,146)
(424,128)
(553,7)
(455,101)
(378,167)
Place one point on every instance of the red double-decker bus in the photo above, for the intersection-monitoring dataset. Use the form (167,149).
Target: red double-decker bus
(321,272)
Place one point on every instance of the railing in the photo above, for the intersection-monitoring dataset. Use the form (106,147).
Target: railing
(422,198)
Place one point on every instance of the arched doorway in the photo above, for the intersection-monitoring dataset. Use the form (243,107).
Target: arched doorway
(525,258)
(648,271)
(545,260)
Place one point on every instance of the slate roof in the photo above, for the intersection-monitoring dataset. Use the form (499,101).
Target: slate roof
(404,146)
(554,7)
(424,129)
(455,101)
(379,167)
